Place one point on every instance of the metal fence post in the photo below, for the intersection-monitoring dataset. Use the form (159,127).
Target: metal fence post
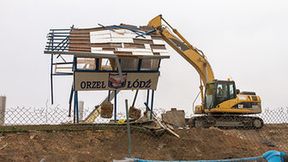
(128,129)
(2,109)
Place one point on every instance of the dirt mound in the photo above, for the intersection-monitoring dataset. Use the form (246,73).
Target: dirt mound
(106,145)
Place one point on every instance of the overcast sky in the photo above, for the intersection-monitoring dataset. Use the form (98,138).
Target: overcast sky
(244,40)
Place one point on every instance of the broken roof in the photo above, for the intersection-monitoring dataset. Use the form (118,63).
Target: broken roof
(107,41)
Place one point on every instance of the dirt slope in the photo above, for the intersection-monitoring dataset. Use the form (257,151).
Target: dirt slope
(106,145)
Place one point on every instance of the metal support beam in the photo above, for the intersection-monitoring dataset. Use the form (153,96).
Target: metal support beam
(118,66)
(70,101)
(135,97)
(109,95)
(115,105)
(76,112)
(51,81)
(128,128)
(51,70)
(147,100)
(152,104)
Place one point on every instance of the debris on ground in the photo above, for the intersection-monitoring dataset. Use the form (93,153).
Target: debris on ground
(174,117)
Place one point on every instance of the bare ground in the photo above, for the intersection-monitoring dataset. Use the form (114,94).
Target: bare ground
(109,144)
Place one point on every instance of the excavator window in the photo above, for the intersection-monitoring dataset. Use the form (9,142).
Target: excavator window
(225,91)
(210,96)
(231,90)
(222,90)
(219,92)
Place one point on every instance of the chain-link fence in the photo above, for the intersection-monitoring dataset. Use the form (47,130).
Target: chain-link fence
(57,115)
(103,141)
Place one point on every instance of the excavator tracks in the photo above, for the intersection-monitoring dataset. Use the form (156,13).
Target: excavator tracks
(226,121)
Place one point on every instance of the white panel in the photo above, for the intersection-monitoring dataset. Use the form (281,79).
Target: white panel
(95,40)
(157,41)
(160,50)
(122,40)
(126,35)
(91,81)
(134,49)
(100,36)
(147,46)
(100,32)
(96,50)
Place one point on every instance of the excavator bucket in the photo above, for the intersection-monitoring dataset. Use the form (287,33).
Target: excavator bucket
(134,113)
(106,110)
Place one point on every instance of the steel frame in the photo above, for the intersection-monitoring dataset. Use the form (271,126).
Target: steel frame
(58,45)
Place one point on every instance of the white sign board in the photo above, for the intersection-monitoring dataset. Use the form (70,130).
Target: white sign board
(93,81)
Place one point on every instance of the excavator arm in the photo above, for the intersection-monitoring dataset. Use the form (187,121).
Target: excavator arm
(194,56)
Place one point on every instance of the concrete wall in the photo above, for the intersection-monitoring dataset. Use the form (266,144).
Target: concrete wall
(2,109)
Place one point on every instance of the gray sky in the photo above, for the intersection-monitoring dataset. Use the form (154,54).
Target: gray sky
(245,40)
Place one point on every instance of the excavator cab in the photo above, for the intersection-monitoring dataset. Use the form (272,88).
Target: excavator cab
(219,91)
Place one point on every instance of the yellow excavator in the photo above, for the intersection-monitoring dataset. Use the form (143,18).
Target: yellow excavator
(222,104)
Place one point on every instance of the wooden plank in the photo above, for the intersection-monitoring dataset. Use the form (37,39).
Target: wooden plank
(107,45)
(75,46)
(79,47)
(158,46)
(80,50)
(79,36)
(96,50)
(108,49)
(59,67)
(86,42)
(142,53)
(112,40)
(133,45)
(79,39)
(134,49)
(123,53)
(142,41)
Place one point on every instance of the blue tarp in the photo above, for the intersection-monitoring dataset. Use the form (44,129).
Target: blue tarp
(270,156)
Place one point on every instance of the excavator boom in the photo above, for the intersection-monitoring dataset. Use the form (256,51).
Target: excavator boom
(194,56)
